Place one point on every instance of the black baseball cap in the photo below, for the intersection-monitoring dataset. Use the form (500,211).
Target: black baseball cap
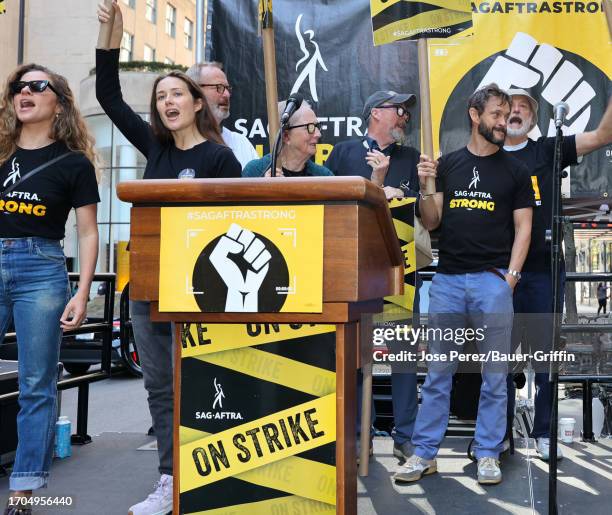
(381,97)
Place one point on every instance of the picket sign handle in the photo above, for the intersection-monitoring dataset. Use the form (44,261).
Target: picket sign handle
(425,98)
(269,51)
(607,4)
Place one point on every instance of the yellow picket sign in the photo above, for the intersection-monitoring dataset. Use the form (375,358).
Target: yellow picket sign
(395,20)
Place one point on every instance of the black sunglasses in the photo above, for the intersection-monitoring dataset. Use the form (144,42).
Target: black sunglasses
(310,127)
(401,110)
(219,87)
(36,86)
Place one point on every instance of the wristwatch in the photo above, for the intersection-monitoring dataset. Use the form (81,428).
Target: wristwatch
(515,274)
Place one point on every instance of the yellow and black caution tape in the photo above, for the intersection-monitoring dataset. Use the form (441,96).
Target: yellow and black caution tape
(286,475)
(2,7)
(402,213)
(394,20)
(276,369)
(198,339)
(258,415)
(289,504)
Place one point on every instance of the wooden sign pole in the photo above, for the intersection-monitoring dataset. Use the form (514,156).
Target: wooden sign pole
(607,4)
(425,99)
(269,50)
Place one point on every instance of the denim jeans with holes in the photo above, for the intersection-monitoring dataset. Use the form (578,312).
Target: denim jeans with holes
(33,293)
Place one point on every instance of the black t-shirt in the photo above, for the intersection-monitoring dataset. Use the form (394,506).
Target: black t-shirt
(480,195)
(164,161)
(349,158)
(39,206)
(538,157)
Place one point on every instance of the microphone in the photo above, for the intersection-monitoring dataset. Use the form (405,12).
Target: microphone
(561,110)
(293,104)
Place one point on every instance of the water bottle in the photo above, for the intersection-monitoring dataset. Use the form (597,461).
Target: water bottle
(187,173)
(63,430)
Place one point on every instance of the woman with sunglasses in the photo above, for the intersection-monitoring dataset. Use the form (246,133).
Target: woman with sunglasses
(41,128)
(182,136)
(300,139)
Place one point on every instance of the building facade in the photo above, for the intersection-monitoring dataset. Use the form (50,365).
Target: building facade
(63,36)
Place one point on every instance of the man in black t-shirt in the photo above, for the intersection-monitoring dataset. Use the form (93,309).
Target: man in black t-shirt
(381,157)
(533,297)
(483,206)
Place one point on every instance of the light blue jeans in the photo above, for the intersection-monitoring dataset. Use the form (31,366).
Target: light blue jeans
(467,300)
(33,293)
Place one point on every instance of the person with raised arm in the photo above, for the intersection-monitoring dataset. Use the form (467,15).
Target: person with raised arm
(183,135)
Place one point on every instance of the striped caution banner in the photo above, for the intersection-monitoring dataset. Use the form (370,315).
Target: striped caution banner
(394,20)
(198,339)
(2,7)
(258,415)
(402,213)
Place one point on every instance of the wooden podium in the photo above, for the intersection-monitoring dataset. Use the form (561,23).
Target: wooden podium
(362,263)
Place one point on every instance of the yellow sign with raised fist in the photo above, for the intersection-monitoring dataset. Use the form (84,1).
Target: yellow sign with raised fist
(241,259)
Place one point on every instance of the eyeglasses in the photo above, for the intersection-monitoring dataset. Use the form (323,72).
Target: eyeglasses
(401,111)
(219,87)
(35,86)
(310,127)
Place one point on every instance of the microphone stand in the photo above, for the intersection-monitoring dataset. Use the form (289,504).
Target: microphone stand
(557,273)
(278,145)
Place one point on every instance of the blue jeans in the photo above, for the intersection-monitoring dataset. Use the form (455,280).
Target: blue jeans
(472,300)
(533,296)
(33,293)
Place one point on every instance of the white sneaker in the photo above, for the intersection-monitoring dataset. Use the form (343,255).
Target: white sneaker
(157,503)
(414,469)
(543,448)
(489,472)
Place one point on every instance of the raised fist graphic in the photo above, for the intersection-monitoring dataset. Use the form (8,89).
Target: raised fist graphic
(527,64)
(242,289)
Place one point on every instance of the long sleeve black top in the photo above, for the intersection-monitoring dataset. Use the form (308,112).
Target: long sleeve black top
(164,161)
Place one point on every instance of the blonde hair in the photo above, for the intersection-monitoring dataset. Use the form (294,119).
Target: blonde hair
(68,126)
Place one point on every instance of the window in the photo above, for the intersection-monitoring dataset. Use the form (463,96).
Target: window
(149,53)
(169,61)
(171,20)
(188,34)
(127,47)
(151,10)
(130,3)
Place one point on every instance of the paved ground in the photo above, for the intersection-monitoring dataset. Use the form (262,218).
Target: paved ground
(107,476)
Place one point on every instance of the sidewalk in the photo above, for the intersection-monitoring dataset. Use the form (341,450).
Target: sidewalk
(109,475)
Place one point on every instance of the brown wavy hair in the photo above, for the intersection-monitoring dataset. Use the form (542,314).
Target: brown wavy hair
(69,126)
(205,122)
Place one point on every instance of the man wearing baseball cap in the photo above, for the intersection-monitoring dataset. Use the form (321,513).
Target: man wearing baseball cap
(533,297)
(381,157)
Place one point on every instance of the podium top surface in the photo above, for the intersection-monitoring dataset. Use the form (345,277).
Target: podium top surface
(281,189)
